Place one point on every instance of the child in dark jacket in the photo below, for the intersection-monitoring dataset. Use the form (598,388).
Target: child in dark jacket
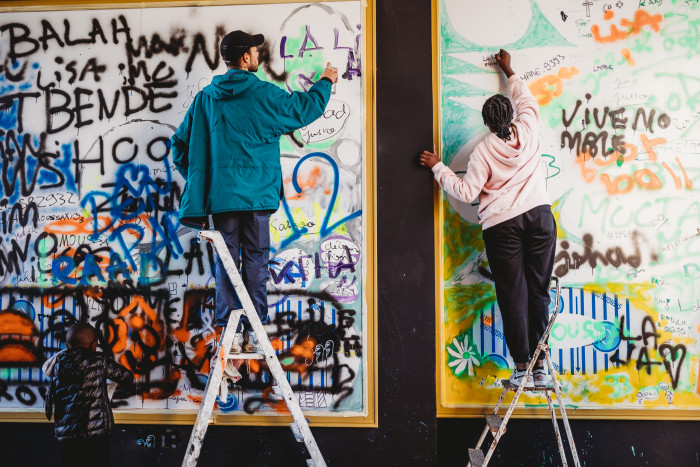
(83,417)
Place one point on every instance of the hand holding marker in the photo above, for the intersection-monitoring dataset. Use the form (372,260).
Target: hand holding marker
(332,74)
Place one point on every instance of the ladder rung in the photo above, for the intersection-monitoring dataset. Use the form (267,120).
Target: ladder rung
(494,422)
(246,356)
(512,387)
(476,457)
(297,432)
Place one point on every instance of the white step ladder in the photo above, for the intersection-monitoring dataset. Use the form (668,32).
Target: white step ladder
(497,427)
(300,427)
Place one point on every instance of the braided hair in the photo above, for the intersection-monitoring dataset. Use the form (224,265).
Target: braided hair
(498,114)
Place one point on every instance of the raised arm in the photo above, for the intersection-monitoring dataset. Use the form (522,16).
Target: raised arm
(117,372)
(298,109)
(525,104)
(465,189)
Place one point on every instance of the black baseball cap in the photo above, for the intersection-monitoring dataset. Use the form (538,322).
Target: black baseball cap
(236,43)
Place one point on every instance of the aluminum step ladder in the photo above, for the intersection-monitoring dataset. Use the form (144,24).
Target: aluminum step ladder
(497,426)
(300,427)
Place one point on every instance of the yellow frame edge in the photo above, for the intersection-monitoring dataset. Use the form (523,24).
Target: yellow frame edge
(443,411)
(187,418)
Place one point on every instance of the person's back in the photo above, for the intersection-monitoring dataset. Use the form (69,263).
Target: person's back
(80,401)
(238,119)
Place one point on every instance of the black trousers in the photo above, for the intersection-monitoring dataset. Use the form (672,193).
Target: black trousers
(90,452)
(521,257)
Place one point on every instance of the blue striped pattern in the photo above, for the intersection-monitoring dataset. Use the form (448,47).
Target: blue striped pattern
(489,339)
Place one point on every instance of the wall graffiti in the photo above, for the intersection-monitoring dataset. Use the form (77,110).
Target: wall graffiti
(89,203)
(619,134)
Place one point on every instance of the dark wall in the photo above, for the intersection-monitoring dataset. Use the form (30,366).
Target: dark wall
(407,433)
(622,443)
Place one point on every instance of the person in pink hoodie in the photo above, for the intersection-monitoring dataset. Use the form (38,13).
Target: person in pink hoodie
(519,230)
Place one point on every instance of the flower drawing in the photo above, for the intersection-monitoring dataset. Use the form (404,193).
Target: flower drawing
(465,357)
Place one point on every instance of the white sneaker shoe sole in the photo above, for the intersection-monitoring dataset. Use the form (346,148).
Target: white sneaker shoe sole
(518,380)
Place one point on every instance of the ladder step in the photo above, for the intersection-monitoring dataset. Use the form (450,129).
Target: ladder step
(494,422)
(246,356)
(512,387)
(296,432)
(476,457)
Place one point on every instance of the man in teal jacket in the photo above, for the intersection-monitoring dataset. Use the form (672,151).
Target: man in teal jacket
(227,149)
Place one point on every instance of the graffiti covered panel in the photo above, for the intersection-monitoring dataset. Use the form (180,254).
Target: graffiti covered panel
(619,130)
(90,197)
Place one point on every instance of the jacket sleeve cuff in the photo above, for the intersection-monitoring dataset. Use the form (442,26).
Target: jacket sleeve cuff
(325,78)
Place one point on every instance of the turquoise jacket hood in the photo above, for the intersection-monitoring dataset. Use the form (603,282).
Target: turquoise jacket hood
(229,85)
(227,147)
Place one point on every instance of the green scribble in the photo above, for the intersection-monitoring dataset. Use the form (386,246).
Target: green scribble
(312,60)
(551,164)
(453,88)
(463,303)
(620,384)
(460,123)
(286,146)
(462,245)
(462,241)
(540,31)
(452,41)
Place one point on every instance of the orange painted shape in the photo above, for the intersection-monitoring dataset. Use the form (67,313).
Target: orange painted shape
(650,143)
(608,15)
(550,86)
(587,173)
(688,181)
(628,56)
(309,182)
(15,322)
(75,227)
(567,73)
(50,302)
(615,34)
(613,186)
(278,406)
(136,322)
(277,344)
(16,353)
(676,178)
(651,182)
(120,343)
(641,19)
